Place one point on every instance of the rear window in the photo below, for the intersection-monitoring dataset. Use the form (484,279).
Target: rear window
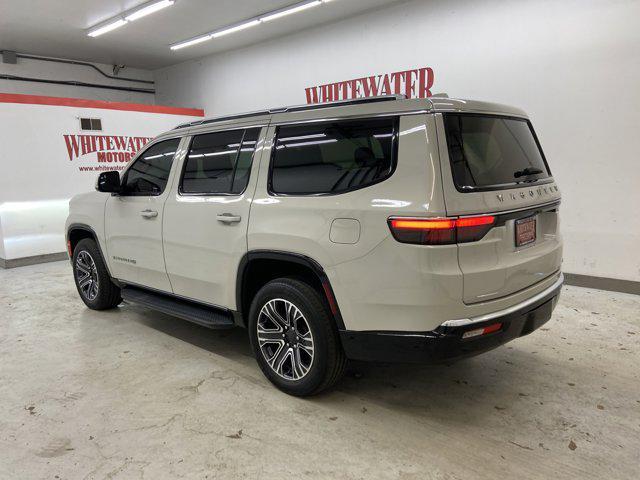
(489,151)
(331,158)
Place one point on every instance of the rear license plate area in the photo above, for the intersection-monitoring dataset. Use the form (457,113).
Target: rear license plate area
(525,231)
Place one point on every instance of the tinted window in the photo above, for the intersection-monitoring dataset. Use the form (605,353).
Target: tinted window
(245,159)
(487,151)
(332,157)
(219,162)
(149,173)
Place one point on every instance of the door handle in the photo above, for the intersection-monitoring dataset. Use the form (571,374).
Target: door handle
(149,213)
(229,218)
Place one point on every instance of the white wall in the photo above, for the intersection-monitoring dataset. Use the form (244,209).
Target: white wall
(59,71)
(39,176)
(574,65)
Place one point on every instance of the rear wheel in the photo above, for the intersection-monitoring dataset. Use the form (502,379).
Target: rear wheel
(92,278)
(294,338)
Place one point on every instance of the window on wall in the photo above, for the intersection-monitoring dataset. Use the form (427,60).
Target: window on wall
(331,158)
(219,162)
(149,174)
(90,124)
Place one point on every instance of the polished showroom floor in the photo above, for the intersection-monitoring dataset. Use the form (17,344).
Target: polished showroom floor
(131,393)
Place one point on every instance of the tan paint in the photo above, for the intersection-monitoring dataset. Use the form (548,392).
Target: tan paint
(379,284)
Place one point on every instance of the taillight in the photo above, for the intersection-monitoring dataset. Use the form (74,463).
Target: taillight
(440,231)
(472,229)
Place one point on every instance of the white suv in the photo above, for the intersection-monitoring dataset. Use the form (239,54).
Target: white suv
(377,229)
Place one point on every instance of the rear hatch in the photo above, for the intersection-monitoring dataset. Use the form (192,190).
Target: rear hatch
(493,165)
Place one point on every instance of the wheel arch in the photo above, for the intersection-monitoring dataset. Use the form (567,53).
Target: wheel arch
(258,267)
(80,231)
(77,232)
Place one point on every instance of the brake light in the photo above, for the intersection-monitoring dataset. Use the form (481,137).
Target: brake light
(440,231)
(427,224)
(472,229)
(475,221)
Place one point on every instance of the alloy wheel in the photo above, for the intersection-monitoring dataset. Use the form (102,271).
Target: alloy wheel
(87,275)
(285,339)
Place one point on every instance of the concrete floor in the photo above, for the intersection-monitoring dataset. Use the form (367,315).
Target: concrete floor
(131,393)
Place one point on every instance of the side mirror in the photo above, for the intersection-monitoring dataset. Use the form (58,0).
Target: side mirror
(108,182)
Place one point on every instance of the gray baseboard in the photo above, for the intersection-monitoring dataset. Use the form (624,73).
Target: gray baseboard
(602,283)
(22,262)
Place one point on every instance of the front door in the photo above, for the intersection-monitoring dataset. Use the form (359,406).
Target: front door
(133,219)
(205,224)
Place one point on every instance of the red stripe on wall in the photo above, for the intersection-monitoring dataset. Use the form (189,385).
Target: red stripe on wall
(81,103)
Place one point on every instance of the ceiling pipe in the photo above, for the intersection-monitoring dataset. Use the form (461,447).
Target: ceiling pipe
(76,84)
(84,64)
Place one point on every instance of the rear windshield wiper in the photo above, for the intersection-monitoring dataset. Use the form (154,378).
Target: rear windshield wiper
(526,172)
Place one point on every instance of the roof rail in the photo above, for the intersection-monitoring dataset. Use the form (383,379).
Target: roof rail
(295,108)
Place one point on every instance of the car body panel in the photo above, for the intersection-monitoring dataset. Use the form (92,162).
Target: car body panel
(494,267)
(133,241)
(202,254)
(378,283)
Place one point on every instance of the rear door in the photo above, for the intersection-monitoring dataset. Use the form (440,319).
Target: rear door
(493,165)
(205,222)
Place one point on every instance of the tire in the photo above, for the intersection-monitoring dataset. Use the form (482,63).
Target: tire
(98,291)
(316,329)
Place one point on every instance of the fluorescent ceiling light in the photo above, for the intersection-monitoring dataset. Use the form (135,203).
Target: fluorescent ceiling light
(129,16)
(289,10)
(193,41)
(236,28)
(252,22)
(148,9)
(112,25)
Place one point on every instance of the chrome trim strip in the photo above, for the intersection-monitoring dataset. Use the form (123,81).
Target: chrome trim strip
(490,316)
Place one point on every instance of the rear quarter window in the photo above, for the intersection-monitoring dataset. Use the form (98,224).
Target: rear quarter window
(331,158)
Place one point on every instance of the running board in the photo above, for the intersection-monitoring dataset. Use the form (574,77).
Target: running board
(206,316)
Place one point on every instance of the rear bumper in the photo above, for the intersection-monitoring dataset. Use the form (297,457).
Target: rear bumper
(445,343)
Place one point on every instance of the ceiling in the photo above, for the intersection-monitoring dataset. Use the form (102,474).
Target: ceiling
(57,28)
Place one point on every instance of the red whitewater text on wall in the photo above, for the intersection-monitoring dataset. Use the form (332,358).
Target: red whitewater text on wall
(108,149)
(415,83)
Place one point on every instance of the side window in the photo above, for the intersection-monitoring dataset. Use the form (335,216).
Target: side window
(245,159)
(219,162)
(150,172)
(332,157)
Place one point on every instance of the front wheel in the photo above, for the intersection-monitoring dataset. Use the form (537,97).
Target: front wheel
(294,338)
(92,278)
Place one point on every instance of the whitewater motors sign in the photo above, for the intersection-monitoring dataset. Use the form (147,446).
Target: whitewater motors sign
(414,83)
(108,150)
